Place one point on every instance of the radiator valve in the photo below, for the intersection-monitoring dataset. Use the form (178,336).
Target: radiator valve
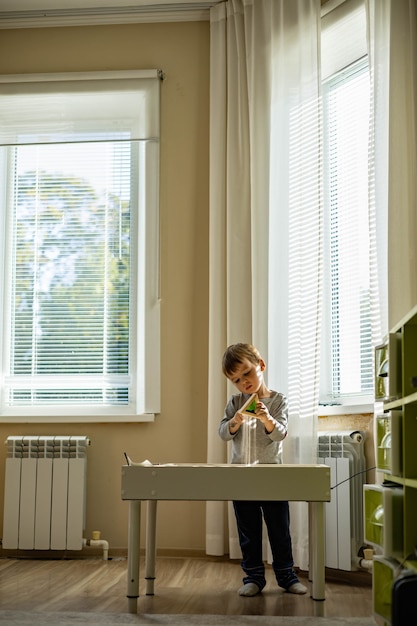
(367,561)
(97,542)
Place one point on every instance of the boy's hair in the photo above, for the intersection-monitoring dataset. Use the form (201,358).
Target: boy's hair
(235,355)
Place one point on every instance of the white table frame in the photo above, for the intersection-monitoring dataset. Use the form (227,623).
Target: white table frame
(307,483)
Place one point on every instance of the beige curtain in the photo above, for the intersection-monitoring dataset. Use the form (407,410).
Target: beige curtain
(265,220)
(378,51)
(231,277)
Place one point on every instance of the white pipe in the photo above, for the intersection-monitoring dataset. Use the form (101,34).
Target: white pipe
(366,564)
(367,561)
(100,543)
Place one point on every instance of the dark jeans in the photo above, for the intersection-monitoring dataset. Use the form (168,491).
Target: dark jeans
(249,523)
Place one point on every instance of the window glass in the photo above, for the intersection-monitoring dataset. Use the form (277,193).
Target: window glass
(346,107)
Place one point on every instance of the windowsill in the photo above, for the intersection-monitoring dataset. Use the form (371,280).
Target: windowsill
(345,409)
(76,419)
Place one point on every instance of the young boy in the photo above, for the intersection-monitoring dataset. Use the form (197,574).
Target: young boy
(244,367)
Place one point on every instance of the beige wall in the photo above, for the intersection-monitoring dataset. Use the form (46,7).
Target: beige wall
(178,434)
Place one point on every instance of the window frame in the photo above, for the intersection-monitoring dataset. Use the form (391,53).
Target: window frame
(144,340)
(343,43)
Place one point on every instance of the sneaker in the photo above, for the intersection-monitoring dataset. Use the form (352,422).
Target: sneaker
(249,589)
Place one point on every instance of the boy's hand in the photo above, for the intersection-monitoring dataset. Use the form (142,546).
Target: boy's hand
(262,412)
(236,422)
(264,416)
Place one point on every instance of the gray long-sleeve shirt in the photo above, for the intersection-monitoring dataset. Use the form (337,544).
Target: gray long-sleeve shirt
(268,445)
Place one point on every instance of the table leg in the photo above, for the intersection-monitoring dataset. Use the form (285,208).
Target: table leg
(317,549)
(133,555)
(150,557)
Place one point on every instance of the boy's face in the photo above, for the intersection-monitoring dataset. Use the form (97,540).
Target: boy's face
(248,376)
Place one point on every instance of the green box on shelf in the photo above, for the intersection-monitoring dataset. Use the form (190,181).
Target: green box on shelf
(373,515)
(388,440)
(383,442)
(383,518)
(385,570)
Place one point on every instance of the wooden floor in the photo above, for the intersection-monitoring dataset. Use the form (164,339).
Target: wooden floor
(205,585)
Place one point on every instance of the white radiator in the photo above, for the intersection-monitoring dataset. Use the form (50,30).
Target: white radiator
(343,452)
(44,493)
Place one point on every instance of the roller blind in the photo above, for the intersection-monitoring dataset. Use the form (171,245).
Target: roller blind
(47,108)
(343,38)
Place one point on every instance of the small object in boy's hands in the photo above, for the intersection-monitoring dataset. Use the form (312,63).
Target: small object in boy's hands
(249,408)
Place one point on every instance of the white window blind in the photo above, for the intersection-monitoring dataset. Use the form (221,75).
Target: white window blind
(346,114)
(81,309)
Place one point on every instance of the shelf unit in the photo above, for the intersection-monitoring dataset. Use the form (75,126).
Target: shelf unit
(391,508)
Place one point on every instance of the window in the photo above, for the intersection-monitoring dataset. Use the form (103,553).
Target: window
(80,309)
(346,117)
(347,349)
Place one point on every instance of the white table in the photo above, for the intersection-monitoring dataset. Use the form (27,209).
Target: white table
(308,483)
